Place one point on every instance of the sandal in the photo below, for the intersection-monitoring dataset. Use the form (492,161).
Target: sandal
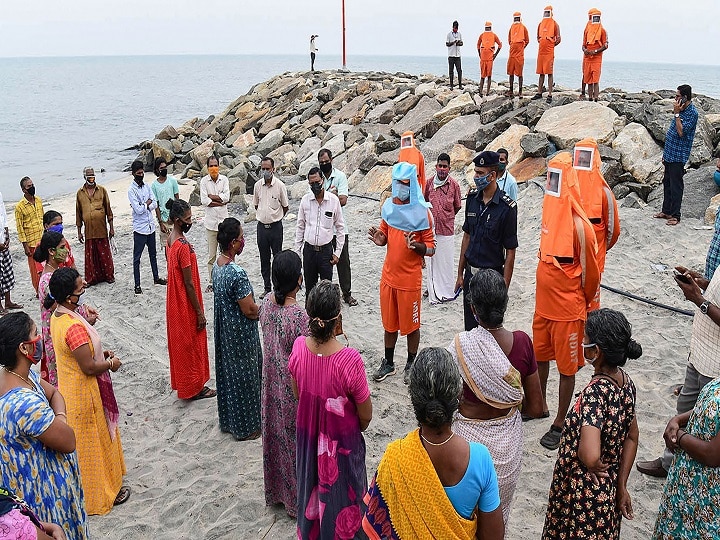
(672,221)
(548,99)
(350,301)
(537,96)
(551,440)
(661,215)
(12,305)
(527,417)
(204,394)
(122,496)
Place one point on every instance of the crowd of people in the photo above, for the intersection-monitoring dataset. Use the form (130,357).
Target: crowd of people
(306,393)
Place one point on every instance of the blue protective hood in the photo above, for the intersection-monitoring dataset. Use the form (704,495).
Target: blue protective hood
(409,217)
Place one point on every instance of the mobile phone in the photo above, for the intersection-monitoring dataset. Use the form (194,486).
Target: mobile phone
(681,277)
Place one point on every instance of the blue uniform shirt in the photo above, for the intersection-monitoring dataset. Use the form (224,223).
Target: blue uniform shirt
(492,229)
(677,149)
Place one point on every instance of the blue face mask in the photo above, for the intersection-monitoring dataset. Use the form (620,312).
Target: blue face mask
(481,182)
(502,167)
(56,228)
(403,192)
(716,176)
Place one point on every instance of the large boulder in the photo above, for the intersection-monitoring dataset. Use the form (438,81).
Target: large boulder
(272,123)
(349,111)
(201,153)
(712,209)
(168,133)
(460,157)
(382,114)
(462,130)
(163,148)
(567,124)
(528,168)
(356,155)
(270,142)
(419,118)
(377,180)
(510,140)
(640,154)
(242,140)
(535,144)
(336,145)
(309,148)
(455,107)
(336,129)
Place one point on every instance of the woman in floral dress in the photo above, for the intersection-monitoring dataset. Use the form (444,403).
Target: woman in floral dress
(588,495)
(282,320)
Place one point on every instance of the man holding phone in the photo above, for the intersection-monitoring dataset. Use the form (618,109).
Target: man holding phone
(678,143)
(453,42)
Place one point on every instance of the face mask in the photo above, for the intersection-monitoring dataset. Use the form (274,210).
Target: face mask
(481,182)
(316,188)
(37,350)
(502,167)
(214,171)
(267,175)
(716,176)
(185,227)
(242,245)
(326,169)
(89,183)
(139,179)
(79,298)
(31,191)
(56,228)
(163,173)
(61,254)
(585,347)
(442,174)
(403,192)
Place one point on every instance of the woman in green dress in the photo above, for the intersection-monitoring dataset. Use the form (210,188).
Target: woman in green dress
(238,356)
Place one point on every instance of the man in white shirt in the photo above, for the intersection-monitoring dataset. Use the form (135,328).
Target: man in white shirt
(336,182)
(214,196)
(143,206)
(271,204)
(7,276)
(313,50)
(319,214)
(453,42)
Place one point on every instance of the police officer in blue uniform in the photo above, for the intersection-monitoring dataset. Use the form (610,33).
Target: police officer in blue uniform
(490,230)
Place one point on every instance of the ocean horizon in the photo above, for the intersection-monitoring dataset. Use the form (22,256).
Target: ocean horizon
(60,114)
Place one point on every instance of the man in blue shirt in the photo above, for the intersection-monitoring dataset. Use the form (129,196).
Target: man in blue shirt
(506,181)
(678,143)
(143,211)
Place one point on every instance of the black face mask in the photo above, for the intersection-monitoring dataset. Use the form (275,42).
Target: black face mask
(163,173)
(139,179)
(185,227)
(316,188)
(326,169)
(31,191)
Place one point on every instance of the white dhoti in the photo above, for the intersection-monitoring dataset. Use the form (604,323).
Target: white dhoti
(442,271)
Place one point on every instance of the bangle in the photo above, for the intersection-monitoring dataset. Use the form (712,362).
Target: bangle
(680,438)
(109,362)
(61,414)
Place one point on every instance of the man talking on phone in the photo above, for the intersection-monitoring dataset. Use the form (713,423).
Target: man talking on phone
(678,143)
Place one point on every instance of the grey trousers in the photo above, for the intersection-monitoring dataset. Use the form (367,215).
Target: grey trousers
(694,382)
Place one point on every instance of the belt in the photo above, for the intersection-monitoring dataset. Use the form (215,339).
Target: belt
(320,248)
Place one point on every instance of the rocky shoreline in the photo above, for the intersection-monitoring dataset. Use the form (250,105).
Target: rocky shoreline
(360,117)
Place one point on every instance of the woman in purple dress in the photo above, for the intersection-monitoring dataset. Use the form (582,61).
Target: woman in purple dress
(334,408)
(282,320)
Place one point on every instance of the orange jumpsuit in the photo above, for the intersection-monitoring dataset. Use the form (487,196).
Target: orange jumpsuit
(548,33)
(518,39)
(410,153)
(486,46)
(594,38)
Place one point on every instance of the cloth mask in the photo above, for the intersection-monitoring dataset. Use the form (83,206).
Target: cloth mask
(502,167)
(214,172)
(31,191)
(481,182)
(139,179)
(163,173)
(61,254)
(37,352)
(316,188)
(326,169)
(267,175)
(56,228)
(89,183)
(185,227)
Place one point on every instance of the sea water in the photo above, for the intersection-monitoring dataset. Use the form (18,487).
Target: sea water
(58,115)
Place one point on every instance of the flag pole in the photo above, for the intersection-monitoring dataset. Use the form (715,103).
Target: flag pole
(344,61)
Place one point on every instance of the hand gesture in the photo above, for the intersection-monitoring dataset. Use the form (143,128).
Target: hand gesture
(164,228)
(54,531)
(92,315)
(410,241)
(26,248)
(691,290)
(671,434)
(598,470)
(697,276)
(377,236)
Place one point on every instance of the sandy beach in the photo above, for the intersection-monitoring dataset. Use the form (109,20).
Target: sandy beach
(189,480)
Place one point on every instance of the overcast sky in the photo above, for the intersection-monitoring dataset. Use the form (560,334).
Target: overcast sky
(642,31)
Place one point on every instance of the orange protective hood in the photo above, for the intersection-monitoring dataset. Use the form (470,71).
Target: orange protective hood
(517,30)
(410,153)
(546,28)
(593,31)
(588,165)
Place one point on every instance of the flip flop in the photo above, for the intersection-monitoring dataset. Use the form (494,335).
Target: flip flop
(122,496)
(551,440)
(537,96)
(204,394)
(661,215)
(527,418)
(672,221)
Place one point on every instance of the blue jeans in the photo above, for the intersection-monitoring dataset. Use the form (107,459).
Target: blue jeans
(139,243)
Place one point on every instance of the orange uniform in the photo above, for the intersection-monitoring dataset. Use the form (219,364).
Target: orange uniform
(598,201)
(409,153)
(518,39)
(594,38)
(567,276)
(486,47)
(548,35)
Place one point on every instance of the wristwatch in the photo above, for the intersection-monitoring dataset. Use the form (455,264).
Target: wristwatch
(677,115)
(705,306)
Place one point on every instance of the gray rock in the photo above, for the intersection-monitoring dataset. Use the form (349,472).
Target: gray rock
(641,155)
(632,200)
(462,130)
(388,158)
(492,110)
(642,190)
(336,145)
(163,148)
(270,142)
(355,156)
(621,191)
(336,129)
(419,118)
(382,114)
(255,161)
(404,105)
(356,136)
(309,148)
(298,134)
(535,144)
(239,172)
(225,125)
(608,152)
(613,172)
(387,145)
(368,163)
(272,124)
(311,111)
(168,133)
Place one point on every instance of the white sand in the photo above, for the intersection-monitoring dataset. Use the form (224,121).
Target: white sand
(191,481)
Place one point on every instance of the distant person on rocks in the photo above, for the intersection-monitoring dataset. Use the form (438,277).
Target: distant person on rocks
(443,193)
(214,196)
(271,204)
(410,153)
(489,231)
(678,143)
(506,181)
(406,229)
(567,280)
(487,52)
(7,276)
(336,182)
(143,206)
(548,36)
(595,41)
(453,42)
(164,188)
(583,96)
(29,222)
(704,361)
(518,40)
(319,214)
(313,50)
(92,210)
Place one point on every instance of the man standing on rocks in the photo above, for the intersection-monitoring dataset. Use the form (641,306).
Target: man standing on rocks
(595,41)
(548,36)
(406,229)
(29,222)
(92,210)
(518,39)
(567,278)
(271,204)
(336,182)
(678,143)
(487,52)
(443,192)
(313,50)
(7,276)
(319,215)
(214,196)
(453,42)
(489,231)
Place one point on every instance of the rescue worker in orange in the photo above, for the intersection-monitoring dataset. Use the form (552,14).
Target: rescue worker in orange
(598,201)
(595,42)
(583,97)
(567,279)
(409,153)
(548,36)
(487,52)
(518,39)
